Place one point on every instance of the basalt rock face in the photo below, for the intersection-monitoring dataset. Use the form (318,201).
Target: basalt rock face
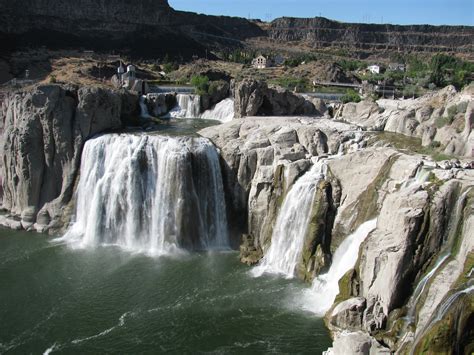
(144,27)
(443,119)
(321,32)
(45,129)
(256,98)
(262,158)
(411,287)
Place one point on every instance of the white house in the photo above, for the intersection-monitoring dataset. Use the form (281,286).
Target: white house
(261,62)
(374,69)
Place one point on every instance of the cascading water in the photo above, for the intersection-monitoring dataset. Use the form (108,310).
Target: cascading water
(223,111)
(291,226)
(325,287)
(447,304)
(151,194)
(143,108)
(189,106)
(447,247)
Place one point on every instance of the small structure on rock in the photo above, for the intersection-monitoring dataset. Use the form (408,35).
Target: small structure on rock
(128,79)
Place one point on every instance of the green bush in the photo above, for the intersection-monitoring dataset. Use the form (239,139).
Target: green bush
(351,96)
(52,79)
(351,65)
(170,66)
(290,83)
(201,84)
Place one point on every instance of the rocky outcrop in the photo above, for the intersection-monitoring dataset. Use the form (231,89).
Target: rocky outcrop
(443,119)
(263,157)
(45,129)
(255,98)
(411,267)
(218,90)
(321,32)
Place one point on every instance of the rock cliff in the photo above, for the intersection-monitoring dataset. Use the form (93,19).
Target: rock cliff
(321,32)
(153,28)
(45,129)
(411,282)
(443,119)
(144,27)
(256,98)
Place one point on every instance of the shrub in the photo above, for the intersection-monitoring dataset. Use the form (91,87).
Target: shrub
(52,79)
(170,66)
(351,96)
(201,84)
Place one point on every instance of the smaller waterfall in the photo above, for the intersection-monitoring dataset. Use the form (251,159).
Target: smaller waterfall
(223,111)
(448,243)
(325,287)
(447,304)
(189,106)
(143,107)
(422,284)
(291,226)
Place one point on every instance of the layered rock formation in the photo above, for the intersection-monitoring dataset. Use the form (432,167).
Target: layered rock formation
(411,282)
(321,32)
(144,27)
(256,98)
(151,28)
(443,119)
(45,129)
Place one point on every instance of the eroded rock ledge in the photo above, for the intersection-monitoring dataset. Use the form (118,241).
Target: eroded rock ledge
(424,229)
(45,130)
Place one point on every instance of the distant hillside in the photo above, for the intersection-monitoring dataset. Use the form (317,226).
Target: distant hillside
(320,32)
(142,27)
(152,28)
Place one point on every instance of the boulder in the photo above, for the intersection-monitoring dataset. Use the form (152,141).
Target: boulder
(255,98)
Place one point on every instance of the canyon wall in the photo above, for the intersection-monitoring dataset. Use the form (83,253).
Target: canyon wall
(144,27)
(45,130)
(320,32)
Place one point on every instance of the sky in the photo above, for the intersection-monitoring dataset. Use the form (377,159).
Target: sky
(435,12)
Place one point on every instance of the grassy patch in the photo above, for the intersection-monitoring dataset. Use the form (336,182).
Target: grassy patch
(411,144)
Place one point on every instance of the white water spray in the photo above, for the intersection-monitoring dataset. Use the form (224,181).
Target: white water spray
(325,287)
(150,194)
(189,106)
(291,226)
(223,111)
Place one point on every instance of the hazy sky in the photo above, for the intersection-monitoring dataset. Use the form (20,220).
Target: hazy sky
(437,12)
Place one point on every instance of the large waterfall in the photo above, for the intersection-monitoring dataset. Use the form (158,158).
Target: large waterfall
(189,106)
(152,194)
(326,287)
(291,226)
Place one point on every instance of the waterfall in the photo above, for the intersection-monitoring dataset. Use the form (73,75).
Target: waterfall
(150,194)
(189,106)
(223,111)
(143,108)
(325,287)
(447,304)
(290,229)
(422,284)
(447,249)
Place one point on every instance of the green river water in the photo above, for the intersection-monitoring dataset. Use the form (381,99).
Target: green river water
(55,299)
